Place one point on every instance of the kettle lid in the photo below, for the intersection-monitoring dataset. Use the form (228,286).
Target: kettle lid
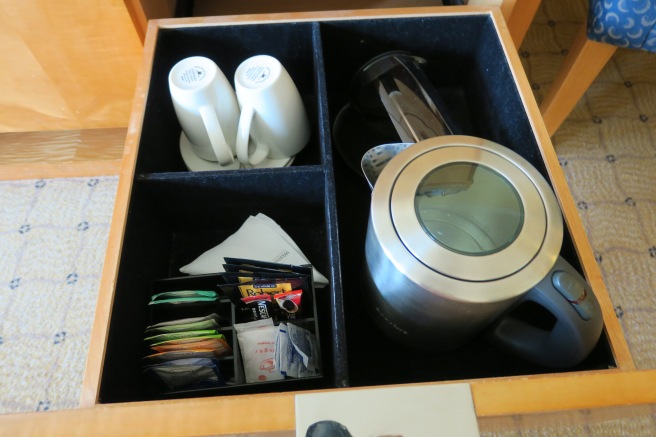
(470,209)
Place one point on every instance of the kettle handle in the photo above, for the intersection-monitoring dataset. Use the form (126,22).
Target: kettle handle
(566,295)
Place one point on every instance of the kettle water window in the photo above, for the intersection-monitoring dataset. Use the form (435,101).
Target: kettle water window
(468,217)
(469,208)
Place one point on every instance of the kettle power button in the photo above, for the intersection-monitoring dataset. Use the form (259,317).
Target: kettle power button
(574,290)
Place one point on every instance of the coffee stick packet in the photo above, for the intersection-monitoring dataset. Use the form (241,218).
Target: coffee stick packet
(259,271)
(254,308)
(255,264)
(256,287)
(289,304)
(281,301)
(267,286)
(247,276)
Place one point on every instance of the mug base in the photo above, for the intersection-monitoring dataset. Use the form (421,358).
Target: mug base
(195,163)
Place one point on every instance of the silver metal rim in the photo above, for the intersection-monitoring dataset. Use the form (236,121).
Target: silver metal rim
(500,276)
(466,267)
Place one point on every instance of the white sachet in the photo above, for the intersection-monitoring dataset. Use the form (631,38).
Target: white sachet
(259,238)
(296,352)
(257,343)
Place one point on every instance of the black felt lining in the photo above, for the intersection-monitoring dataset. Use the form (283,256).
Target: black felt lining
(175,215)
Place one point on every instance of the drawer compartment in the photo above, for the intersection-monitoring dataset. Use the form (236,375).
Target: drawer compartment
(291,44)
(175,218)
(321,200)
(473,78)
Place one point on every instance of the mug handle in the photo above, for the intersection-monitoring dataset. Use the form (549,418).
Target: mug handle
(243,135)
(217,139)
(578,321)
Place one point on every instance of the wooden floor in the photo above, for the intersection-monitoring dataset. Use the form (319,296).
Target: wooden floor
(60,154)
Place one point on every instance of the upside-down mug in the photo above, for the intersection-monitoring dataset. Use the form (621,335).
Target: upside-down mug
(272,112)
(206,106)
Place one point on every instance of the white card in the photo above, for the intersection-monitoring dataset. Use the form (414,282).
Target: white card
(431,410)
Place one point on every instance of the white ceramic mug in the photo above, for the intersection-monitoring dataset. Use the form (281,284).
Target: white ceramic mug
(272,111)
(207,108)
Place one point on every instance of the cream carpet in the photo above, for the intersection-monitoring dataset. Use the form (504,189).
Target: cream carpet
(53,234)
(607,148)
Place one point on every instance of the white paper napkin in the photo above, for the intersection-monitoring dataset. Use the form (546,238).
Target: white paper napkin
(259,238)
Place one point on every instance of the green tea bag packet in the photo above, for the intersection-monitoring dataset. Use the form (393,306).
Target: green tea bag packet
(183,296)
(160,338)
(161,357)
(185,340)
(183,327)
(212,316)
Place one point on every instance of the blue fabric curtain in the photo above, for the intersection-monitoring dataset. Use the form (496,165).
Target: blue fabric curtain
(623,23)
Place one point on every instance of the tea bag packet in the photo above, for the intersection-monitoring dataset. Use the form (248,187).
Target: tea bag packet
(182,325)
(215,343)
(305,344)
(186,342)
(171,336)
(296,354)
(257,344)
(161,357)
(183,296)
(187,373)
(181,335)
(284,350)
(258,238)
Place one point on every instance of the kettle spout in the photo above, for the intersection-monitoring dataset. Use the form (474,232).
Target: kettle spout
(376,158)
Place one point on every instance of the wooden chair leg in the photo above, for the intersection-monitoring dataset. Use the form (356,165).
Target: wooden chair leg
(583,63)
(521,18)
(505,6)
(518,14)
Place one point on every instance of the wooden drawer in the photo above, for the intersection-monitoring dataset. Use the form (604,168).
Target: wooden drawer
(165,215)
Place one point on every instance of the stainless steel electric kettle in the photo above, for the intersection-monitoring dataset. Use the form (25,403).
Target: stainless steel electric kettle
(461,232)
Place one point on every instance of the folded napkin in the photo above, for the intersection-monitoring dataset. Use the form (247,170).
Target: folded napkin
(259,238)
